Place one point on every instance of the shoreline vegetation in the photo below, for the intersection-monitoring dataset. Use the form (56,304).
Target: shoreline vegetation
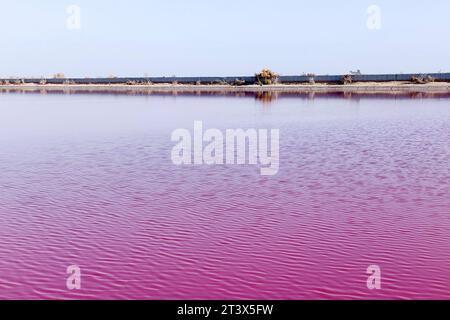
(265,81)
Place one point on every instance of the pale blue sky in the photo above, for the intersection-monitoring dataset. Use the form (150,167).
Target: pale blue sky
(211,37)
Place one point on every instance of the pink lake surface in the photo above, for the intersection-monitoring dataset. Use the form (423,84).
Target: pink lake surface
(87,180)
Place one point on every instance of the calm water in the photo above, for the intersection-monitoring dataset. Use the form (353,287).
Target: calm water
(87,180)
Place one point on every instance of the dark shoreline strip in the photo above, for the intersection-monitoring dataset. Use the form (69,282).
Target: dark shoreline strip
(333,79)
(265,96)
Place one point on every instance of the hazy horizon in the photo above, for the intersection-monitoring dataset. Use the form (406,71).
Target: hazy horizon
(165,38)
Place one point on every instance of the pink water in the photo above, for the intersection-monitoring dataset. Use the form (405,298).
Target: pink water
(87,180)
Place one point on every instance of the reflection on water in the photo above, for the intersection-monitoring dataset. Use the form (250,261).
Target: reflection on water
(87,180)
(266,97)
